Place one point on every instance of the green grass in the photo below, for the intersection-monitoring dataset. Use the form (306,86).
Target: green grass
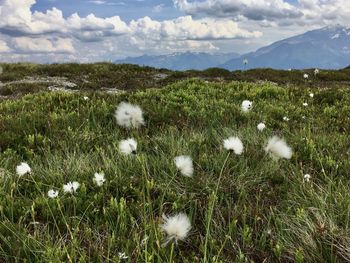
(260,210)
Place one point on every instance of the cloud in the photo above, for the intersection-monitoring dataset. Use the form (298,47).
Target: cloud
(4,47)
(279,11)
(43,45)
(158,8)
(97,2)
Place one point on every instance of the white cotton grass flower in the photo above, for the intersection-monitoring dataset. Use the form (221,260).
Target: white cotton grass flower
(128,146)
(306,76)
(22,169)
(285,118)
(316,71)
(122,255)
(176,227)
(86,98)
(246,105)
(184,164)
(99,179)
(278,148)
(71,187)
(307,178)
(311,95)
(261,126)
(234,144)
(129,115)
(305,104)
(52,193)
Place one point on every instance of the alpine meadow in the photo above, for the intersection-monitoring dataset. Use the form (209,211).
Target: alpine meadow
(120,163)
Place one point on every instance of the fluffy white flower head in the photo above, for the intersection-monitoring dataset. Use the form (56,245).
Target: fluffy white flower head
(285,118)
(278,148)
(52,193)
(246,105)
(128,146)
(306,76)
(86,98)
(234,144)
(184,164)
(316,71)
(307,178)
(311,95)
(99,179)
(305,104)
(23,169)
(71,187)
(176,227)
(261,126)
(129,115)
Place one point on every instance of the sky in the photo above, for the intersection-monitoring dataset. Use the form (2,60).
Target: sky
(105,30)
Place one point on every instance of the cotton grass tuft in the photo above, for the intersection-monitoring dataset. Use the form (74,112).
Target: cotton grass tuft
(129,115)
(261,126)
(128,146)
(184,164)
(176,227)
(234,144)
(246,105)
(278,148)
(99,179)
(22,169)
(71,187)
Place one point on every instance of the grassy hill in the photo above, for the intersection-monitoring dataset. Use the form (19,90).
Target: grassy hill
(259,210)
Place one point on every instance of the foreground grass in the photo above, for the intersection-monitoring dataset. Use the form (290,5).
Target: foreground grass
(262,211)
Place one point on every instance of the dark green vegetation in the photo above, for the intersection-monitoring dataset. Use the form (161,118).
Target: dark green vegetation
(263,210)
(24,78)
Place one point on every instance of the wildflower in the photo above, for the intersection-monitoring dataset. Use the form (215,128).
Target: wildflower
(128,146)
(285,118)
(23,169)
(261,126)
(278,148)
(234,144)
(246,106)
(307,178)
(176,227)
(86,98)
(52,193)
(71,187)
(311,95)
(305,104)
(316,71)
(122,255)
(303,117)
(99,179)
(306,76)
(129,116)
(184,164)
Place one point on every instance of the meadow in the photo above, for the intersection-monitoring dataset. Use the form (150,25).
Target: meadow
(242,208)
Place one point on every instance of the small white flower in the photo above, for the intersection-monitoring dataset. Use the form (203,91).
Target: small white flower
(261,126)
(128,146)
(306,76)
(86,98)
(23,169)
(122,255)
(285,118)
(129,115)
(246,105)
(305,104)
(311,95)
(71,187)
(176,227)
(52,193)
(307,178)
(303,117)
(316,71)
(184,164)
(99,179)
(278,148)
(234,144)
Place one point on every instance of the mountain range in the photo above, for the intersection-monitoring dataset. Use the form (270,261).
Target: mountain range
(327,48)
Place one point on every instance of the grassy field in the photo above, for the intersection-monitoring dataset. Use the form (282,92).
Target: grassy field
(242,208)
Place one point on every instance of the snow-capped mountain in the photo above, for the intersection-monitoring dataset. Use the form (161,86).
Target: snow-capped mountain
(180,61)
(328,47)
